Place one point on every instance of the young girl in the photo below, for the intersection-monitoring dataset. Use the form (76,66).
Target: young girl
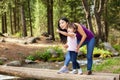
(71,46)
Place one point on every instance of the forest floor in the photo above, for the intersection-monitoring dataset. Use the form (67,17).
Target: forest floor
(18,51)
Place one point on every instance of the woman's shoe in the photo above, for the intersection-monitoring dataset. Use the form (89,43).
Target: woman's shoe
(89,72)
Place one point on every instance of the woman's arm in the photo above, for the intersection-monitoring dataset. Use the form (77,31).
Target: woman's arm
(82,33)
(65,33)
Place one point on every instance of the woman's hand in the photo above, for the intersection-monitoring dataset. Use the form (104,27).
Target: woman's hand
(77,50)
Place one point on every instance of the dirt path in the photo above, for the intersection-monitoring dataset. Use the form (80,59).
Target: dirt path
(15,51)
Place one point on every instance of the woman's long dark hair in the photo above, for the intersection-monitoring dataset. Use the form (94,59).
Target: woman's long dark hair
(62,37)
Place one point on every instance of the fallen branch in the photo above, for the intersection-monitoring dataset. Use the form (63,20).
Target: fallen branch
(51,74)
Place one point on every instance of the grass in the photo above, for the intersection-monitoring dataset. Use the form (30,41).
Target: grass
(111,65)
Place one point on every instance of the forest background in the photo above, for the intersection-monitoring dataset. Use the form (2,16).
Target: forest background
(23,18)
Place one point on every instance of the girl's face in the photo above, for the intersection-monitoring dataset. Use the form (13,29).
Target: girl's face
(63,24)
(70,30)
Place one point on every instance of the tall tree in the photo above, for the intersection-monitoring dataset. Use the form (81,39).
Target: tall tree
(88,15)
(50,18)
(4,23)
(98,9)
(24,30)
(29,12)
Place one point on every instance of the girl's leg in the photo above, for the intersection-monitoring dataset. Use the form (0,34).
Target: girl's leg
(73,56)
(90,47)
(64,69)
(67,59)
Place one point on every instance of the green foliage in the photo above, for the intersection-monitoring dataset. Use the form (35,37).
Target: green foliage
(97,52)
(56,59)
(59,50)
(31,57)
(1,62)
(46,55)
(117,47)
(18,34)
(108,65)
(113,14)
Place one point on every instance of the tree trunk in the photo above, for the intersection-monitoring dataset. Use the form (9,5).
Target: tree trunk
(98,9)
(4,23)
(50,18)
(88,16)
(14,13)
(105,22)
(11,26)
(47,74)
(30,18)
(23,22)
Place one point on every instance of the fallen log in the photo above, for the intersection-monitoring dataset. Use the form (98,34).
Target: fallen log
(20,40)
(46,74)
(109,74)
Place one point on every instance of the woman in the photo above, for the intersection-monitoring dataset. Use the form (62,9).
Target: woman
(84,37)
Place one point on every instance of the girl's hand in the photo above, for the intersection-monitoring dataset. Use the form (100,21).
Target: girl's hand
(58,30)
(65,46)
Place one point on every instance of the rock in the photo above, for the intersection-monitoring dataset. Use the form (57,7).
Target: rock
(32,40)
(53,52)
(110,48)
(14,63)
(3,59)
(29,61)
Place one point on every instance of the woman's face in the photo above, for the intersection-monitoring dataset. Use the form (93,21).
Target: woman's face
(63,24)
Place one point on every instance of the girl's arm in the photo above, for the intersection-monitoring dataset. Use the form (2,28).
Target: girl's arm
(82,33)
(65,33)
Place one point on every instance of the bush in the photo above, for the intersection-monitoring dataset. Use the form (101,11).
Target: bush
(31,57)
(117,47)
(46,55)
(1,62)
(98,52)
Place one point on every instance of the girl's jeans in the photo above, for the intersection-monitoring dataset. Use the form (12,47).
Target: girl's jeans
(90,46)
(72,56)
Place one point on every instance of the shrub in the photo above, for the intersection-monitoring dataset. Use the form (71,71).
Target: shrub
(1,62)
(31,57)
(98,52)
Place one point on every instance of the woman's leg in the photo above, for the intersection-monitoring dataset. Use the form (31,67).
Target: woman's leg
(90,47)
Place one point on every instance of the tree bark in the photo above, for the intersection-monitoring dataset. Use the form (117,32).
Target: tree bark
(98,13)
(30,18)
(50,18)
(23,22)
(48,74)
(88,16)
(11,26)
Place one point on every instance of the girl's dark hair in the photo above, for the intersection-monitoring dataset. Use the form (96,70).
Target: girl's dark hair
(62,37)
(72,25)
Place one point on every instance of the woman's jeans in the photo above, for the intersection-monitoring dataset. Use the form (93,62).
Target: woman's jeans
(90,47)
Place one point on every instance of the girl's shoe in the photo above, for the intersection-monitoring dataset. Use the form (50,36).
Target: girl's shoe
(63,70)
(74,71)
(80,71)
